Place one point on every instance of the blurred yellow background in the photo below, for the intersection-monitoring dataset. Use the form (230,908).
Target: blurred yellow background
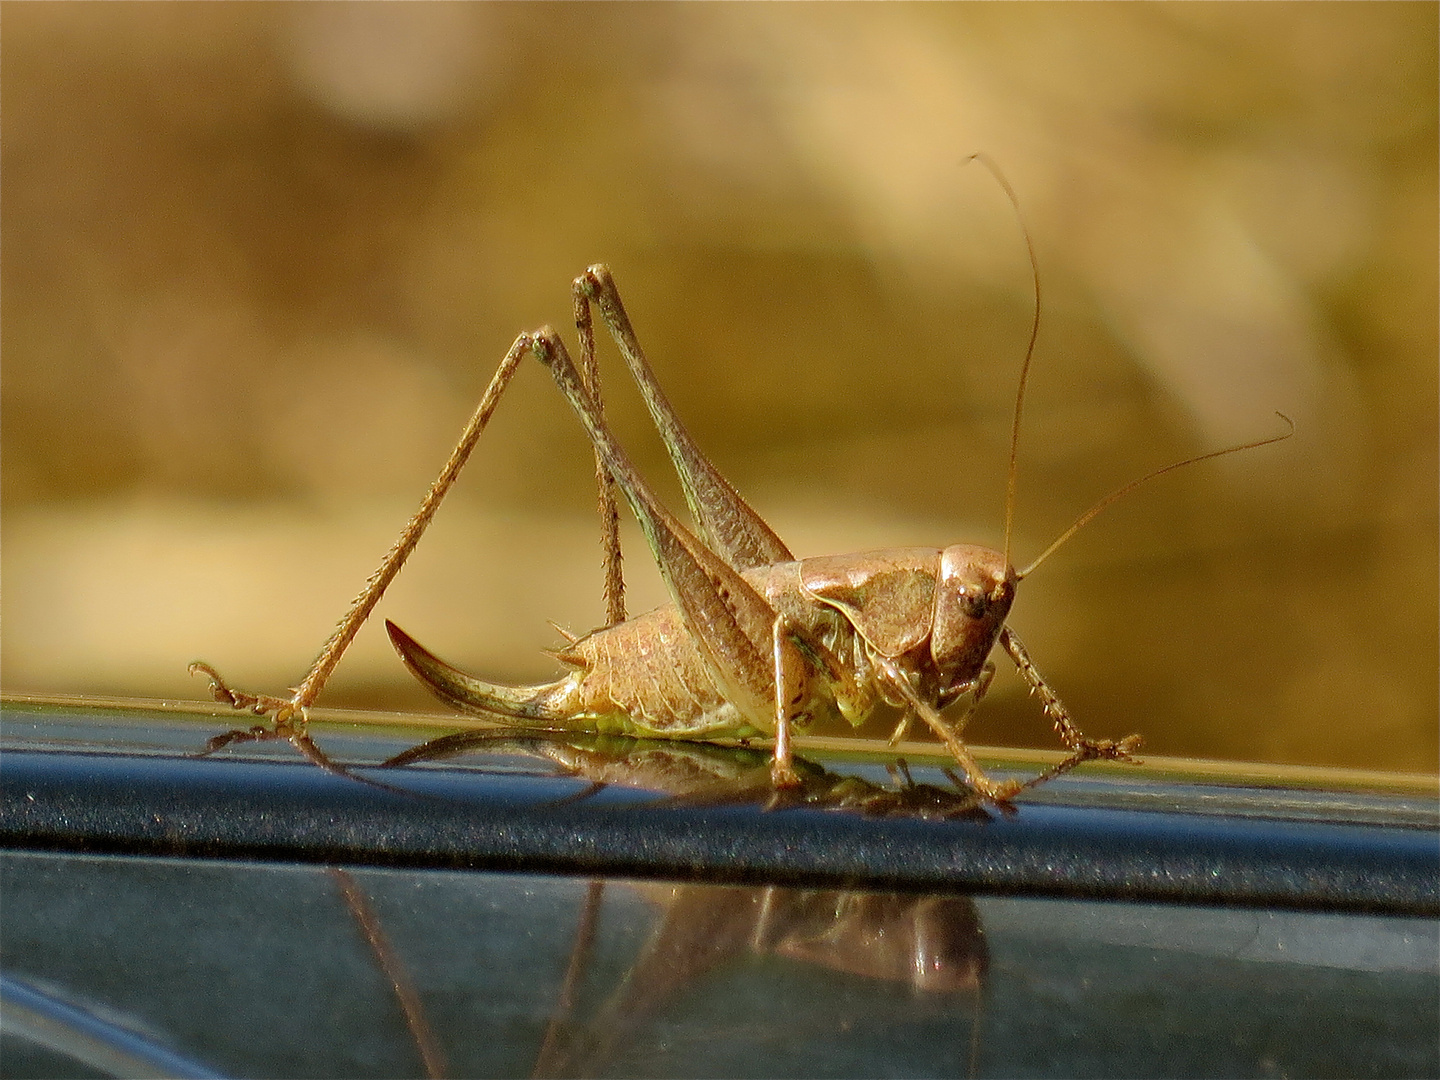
(260,260)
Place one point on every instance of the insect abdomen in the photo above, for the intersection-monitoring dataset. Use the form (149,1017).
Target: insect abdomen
(646,677)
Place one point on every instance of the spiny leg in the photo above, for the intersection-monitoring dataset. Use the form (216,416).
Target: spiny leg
(974,775)
(976,687)
(552,1056)
(289,714)
(727,523)
(792,684)
(733,625)
(614,587)
(394,970)
(1082,747)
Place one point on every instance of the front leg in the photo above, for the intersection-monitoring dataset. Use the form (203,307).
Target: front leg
(996,791)
(976,687)
(1082,748)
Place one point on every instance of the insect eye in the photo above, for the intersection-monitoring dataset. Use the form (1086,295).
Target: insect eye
(974,602)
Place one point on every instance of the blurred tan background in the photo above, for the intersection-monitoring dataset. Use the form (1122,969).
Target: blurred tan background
(259,261)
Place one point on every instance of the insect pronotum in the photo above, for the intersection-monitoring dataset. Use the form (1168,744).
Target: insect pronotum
(754,643)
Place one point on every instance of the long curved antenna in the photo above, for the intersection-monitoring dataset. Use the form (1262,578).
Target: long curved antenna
(999,176)
(1120,493)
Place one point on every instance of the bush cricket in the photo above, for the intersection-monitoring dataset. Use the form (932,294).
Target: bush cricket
(934,945)
(754,643)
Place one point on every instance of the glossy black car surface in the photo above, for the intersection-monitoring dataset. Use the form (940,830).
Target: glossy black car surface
(505,905)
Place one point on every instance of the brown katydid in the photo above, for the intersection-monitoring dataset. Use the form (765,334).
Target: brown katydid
(934,944)
(754,643)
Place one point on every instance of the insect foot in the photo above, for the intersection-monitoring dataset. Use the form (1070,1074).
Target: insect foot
(286,716)
(243,700)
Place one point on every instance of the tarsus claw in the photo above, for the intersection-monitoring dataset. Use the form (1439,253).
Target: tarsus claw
(282,710)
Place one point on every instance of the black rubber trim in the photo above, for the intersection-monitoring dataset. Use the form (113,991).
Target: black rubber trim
(164,803)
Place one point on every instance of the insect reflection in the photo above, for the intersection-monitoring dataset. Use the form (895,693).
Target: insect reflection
(932,944)
(708,774)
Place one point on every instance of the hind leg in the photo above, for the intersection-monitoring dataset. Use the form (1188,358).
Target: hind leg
(292,710)
(727,524)
(759,663)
